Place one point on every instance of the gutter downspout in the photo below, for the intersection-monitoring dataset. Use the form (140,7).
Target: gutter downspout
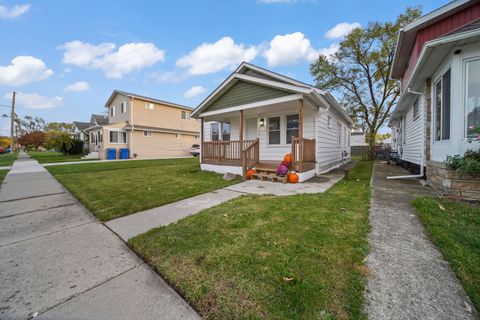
(422,166)
(133,128)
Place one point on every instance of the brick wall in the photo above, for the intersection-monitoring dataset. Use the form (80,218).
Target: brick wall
(448,182)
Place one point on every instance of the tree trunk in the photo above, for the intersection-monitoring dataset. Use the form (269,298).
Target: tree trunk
(371,143)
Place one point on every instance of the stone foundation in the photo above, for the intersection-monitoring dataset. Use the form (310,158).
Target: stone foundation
(448,182)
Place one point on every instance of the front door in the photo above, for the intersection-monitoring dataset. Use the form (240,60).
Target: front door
(251,129)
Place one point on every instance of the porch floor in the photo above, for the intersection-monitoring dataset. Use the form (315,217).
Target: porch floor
(306,166)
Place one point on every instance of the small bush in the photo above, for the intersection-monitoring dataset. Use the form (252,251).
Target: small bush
(76,147)
(469,164)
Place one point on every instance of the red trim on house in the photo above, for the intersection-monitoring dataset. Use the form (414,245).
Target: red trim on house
(437,30)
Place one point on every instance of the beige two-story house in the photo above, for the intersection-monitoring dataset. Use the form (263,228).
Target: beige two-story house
(149,128)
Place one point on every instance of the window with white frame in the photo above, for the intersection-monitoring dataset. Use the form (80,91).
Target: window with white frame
(112,111)
(149,106)
(185,115)
(226,131)
(147,133)
(404,129)
(117,137)
(472,97)
(123,107)
(196,137)
(329,120)
(344,135)
(442,107)
(274,130)
(291,127)
(215,131)
(339,133)
(416,113)
(100,136)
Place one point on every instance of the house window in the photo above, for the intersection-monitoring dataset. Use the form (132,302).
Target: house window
(472,97)
(274,130)
(196,137)
(226,131)
(344,136)
(112,111)
(123,107)
(404,130)
(415,110)
(100,136)
(339,134)
(215,131)
(329,121)
(442,107)
(292,127)
(185,115)
(118,137)
(177,135)
(149,106)
(147,133)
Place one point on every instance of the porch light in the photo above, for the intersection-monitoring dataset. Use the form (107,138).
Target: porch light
(262,122)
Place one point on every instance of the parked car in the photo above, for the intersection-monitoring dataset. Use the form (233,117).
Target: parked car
(195,150)
(2,150)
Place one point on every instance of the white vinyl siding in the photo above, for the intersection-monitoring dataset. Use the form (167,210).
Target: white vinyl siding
(412,135)
(121,105)
(329,150)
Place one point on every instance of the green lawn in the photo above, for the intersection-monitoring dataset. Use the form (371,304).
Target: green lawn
(293,257)
(456,231)
(114,189)
(7,159)
(3,173)
(50,156)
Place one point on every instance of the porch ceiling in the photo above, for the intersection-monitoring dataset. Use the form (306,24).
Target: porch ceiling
(261,110)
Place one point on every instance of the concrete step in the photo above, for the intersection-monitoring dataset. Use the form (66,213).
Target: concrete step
(269,177)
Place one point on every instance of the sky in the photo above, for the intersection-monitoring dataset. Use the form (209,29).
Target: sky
(66,57)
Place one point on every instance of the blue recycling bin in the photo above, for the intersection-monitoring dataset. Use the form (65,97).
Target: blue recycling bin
(111,154)
(124,153)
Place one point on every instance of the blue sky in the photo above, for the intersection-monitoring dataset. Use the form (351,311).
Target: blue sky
(66,57)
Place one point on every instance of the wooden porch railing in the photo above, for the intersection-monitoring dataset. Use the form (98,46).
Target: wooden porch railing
(225,150)
(303,151)
(250,156)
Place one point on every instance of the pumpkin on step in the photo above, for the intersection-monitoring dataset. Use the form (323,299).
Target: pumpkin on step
(288,158)
(250,173)
(293,177)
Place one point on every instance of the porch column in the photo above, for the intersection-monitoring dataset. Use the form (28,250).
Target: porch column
(201,139)
(300,133)
(241,144)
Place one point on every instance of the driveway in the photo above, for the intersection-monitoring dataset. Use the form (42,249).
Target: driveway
(409,279)
(58,262)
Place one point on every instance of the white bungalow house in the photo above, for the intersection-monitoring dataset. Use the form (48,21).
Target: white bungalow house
(257,116)
(437,60)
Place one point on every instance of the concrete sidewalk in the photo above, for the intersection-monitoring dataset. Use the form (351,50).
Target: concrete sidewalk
(409,278)
(58,262)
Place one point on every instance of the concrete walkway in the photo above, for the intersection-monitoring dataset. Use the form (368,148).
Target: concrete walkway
(409,278)
(58,262)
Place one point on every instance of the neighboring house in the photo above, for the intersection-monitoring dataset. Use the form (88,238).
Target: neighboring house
(79,131)
(149,128)
(256,116)
(358,139)
(437,59)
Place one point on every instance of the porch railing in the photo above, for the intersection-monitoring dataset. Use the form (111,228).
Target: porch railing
(250,156)
(303,151)
(225,150)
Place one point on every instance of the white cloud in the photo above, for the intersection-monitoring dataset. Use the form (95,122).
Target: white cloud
(16,11)
(78,87)
(128,58)
(168,77)
(213,57)
(36,101)
(194,91)
(332,49)
(22,70)
(341,30)
(289,49)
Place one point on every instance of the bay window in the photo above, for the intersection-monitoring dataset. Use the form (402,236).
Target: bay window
(442,107)
(472,97)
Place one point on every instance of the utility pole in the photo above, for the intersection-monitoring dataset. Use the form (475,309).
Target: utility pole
(12,121)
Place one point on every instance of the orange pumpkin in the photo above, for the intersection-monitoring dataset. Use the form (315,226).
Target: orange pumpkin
(288,158)
(293,177)
(250,173)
